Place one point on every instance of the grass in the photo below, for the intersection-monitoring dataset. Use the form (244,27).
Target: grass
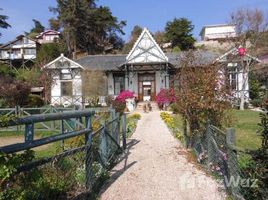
(246,126)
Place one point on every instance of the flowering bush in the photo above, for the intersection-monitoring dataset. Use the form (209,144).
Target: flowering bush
(125,95)
(165,96)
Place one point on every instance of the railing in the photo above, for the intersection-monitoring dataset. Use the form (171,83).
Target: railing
(99,146)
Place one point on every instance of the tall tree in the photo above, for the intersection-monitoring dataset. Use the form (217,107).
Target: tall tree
(38,27)
(86,26)
(3,21)
(135,33)
(179,33)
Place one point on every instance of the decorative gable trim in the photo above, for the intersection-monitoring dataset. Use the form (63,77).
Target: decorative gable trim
(62,59)
(146,50)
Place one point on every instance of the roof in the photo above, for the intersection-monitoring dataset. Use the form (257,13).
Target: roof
(62,59)
(146,50)
(46,31)
(115,61)
(102,62)
(15,40)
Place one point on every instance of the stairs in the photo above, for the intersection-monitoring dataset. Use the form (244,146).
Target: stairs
(141,104)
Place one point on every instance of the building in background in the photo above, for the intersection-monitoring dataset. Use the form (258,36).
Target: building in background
(48,36)
(218,32)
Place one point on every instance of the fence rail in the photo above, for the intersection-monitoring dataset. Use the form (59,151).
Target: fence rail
(100,144)
(217,152)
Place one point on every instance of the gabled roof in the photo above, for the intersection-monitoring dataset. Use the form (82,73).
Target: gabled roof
(17,39)
(62,59)
(47,31)
(146,50)
(235,51)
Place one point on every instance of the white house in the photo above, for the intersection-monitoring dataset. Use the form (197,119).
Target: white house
(145,71)
(48,36)
(21,48)
(218,32)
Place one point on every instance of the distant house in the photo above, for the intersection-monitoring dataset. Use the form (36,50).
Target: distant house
(48,36)
(145,71)
(22,48)
(218,32)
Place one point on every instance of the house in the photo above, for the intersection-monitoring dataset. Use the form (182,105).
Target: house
(145,71)
(21,51)
(239,63)
(218,32)
(48,36)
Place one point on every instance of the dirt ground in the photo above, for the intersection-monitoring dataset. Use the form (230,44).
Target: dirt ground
(155,166)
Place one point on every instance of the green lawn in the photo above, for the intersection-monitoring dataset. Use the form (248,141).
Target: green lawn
(245,124)
(246,127)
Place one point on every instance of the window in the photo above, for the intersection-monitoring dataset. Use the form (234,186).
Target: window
(66,88)
(65,74)
(233,78)
(29,51)
(119,84)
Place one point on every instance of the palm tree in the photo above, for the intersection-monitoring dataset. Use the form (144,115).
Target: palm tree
(3,23)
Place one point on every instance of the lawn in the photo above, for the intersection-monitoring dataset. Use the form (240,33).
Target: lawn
(245,124)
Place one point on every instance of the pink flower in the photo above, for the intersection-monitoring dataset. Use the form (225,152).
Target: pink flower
(125,95)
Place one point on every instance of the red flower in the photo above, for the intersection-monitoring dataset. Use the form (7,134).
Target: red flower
(125,95)
(242,51)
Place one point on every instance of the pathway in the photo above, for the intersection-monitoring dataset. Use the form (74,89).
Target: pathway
(155,167)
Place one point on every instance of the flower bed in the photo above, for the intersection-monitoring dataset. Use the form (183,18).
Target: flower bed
(132,121)
(170,122)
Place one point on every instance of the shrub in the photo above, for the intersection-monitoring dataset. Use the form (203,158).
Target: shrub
(35,101)
(136,116)
(125,95)
(256,102)
(119,106)
(165,96)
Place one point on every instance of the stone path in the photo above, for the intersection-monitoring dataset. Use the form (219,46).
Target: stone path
(155,166)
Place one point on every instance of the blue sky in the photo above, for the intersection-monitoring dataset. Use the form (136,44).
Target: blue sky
(152,14)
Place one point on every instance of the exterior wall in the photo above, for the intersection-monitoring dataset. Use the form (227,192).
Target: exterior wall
(218,32)
(133,82)
(158,84)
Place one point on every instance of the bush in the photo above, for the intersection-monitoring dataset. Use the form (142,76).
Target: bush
(174,108)
(119,106)
(125,95)
(165,97)
(256,102)
(136,116)
(35,101)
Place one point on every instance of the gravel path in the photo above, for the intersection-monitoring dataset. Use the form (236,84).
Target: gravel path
(155,167)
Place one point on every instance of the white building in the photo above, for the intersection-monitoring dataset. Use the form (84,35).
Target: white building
(218,32)
(20,48)
(48,36)
(145,71)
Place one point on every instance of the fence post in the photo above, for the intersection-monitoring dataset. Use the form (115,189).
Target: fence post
(124,130)
(29,133)
(89,156)
(104,146)
(233,168)
(118,129)
(209,145)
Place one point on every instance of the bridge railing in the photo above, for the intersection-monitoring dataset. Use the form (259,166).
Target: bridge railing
(89,148)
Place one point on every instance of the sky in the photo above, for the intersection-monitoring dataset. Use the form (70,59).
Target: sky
(152,14)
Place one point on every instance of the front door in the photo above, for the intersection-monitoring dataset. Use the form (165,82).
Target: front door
(147,87)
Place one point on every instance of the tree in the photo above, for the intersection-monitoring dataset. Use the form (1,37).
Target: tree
(3,22)
(54,24)
(86,26)
(250,25)
(160,37)
(201,93)
(135,33)
(179,33)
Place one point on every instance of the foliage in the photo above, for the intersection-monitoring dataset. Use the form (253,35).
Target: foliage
(135,33)
(165,97)
(170,122)
(31,76)
(119,106)
(3,22)
(263,131)
(126,94)
(5,119)
(255,89)
(14,92)
(202,94)
(38,28)
(257,102)
(86,26)
(179,33)
(5,70)
(132,123)
(49,52)
(35,101)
